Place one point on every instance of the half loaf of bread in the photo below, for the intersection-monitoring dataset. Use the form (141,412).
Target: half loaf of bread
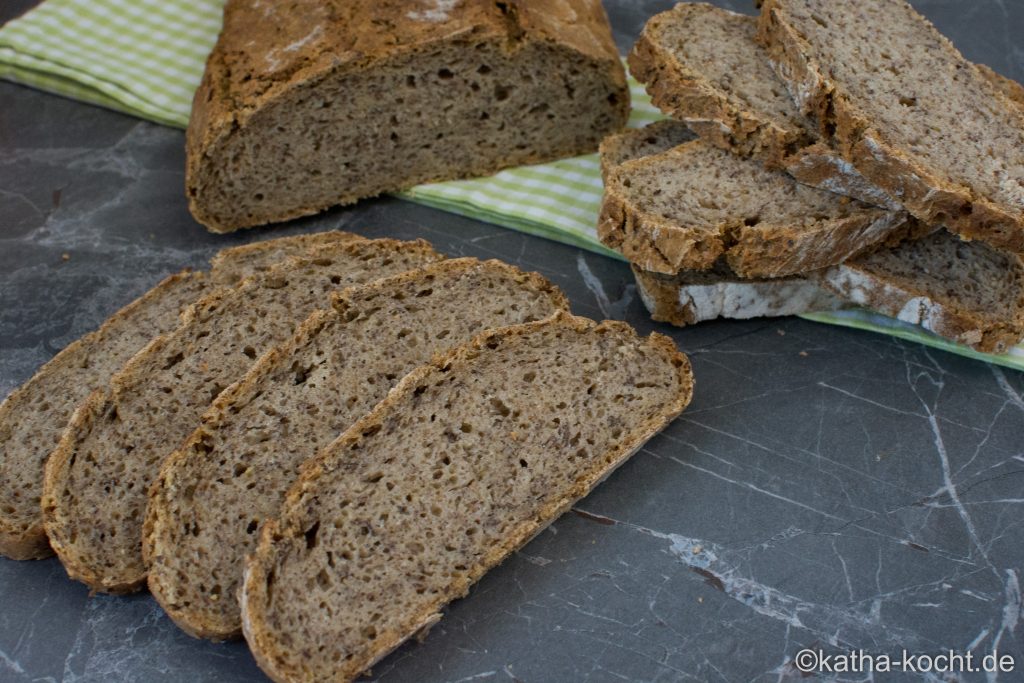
(94,491)
(207,505)
(33,416)
(466,460)
(316,103)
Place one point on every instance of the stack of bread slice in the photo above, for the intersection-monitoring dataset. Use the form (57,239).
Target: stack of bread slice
(807,167)
(407,419)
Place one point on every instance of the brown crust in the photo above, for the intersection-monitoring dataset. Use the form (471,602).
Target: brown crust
(674,300)
(658,245)
(237,82)
(63,457)
(716,117)
(851,132)
(196,622)
(253,593)
(19,543)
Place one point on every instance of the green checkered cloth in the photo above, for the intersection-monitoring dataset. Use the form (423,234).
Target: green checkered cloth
(146,57)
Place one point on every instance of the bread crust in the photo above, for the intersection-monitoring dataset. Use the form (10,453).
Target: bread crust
(196,621)
(851,131)
(679,302)
(256,63)
(253,597)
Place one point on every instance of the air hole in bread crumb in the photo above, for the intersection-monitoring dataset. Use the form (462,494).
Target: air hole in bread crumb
(908,101)
(445,74)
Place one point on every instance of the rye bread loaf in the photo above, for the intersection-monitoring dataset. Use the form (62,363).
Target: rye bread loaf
(212,494)
(467,459)
(687,207)
(95,485)
(322,103)
(892,95)
(33,417)
(965,291)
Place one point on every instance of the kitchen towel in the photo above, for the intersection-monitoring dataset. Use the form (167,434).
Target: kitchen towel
(146,57)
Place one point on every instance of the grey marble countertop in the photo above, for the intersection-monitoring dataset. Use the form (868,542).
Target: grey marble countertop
(827,487)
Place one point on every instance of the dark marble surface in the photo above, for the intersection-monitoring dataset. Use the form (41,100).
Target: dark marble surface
(827,488)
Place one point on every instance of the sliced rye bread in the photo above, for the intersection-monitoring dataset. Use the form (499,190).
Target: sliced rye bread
(687,207)
(689,296)
(965,291)
(892,95)
(465,461)
(33,416)
(288,118)
(212,494)
(702,65)
(692,297)
(94,491)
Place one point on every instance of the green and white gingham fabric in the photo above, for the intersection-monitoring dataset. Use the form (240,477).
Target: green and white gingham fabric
(146,57)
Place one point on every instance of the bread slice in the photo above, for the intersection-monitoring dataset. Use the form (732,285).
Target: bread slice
(34,415)
(637,143)
(692,297)
(685,208)
(231,265)
(893,95)
(466,460)
(211,496)
(94,491)
(965,291)
(326,103)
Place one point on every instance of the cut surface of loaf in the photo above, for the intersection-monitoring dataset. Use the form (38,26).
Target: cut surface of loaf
(212,494)
(692,297)
(685,208)
(94,491)
(894,96)
(965,291)
(325,103)
(464,462)
(33,417)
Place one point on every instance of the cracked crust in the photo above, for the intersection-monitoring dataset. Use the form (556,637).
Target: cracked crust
(934,195)
(278,540)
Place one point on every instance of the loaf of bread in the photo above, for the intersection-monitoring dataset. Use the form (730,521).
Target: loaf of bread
(212,494)
(897,111)
(33,416)
(320,103)
(686,208)
(94,491)
(466,460)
